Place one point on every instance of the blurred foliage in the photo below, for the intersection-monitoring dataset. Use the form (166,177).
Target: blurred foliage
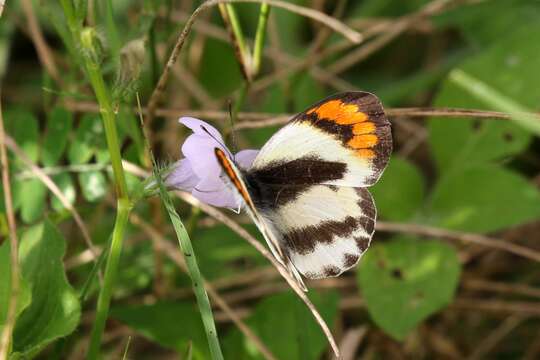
(466,174)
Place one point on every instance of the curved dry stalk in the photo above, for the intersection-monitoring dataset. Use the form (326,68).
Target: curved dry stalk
(253,120)
(332,23)
(6,334)
(47,181)
(43,51)
(173,253)
(431,231)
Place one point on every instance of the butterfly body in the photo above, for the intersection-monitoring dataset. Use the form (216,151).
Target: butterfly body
(306,189)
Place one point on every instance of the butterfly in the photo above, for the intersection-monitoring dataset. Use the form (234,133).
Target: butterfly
(306,189)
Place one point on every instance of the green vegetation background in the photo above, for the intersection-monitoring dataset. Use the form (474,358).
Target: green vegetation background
(410,296)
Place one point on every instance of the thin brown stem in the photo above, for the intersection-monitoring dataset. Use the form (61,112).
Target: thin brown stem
(431,231)
(5,337)
(43,51)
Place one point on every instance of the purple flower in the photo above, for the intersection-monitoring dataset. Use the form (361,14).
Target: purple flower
(199,171)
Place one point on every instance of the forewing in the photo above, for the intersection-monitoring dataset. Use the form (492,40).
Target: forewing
(343,140)
(325,230)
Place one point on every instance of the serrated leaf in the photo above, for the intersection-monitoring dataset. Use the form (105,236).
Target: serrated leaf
(58,128)
(32,194)
(170,324)
(24,298)
(287,327)
(406,280)
(483,199)
(55,310)
(67,187)
(93,185)
(22,126)
(399,194)
(89,137)
(510,66)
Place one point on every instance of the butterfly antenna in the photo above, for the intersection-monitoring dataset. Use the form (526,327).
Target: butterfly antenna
(219,142)
(233,132)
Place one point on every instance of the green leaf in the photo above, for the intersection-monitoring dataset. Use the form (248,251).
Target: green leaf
(22,126)
(287,327)
(89,137)
(66,186)
(485,22)
(55,310)
(483,199)
(406,280)
(170,324)
(24,298)
(511,67)
(400,191)
(93,185)
(58,128)
(32,194)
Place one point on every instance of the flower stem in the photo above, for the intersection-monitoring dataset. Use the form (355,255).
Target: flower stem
(194,272)
(85,40)
(259,39)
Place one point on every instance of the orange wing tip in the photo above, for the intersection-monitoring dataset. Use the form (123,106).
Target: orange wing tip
(339,112)
(363,141)
(362,128)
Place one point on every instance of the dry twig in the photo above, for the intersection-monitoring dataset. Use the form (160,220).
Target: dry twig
(5,337)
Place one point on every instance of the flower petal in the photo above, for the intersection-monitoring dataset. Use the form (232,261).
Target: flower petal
(198,127)
(245,158)
(182,176)
(214,192)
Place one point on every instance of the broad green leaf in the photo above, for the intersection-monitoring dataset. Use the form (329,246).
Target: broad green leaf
(510,66)
(55,310)
(67,187)
(406,280)
(287,327)
(483,199)
(58,128)
(170,324)
(400,191)
(32,195)
(89,137)
(93,185)
(485,22)
(22,126)
(24,298)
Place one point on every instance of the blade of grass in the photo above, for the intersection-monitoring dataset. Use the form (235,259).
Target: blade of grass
(194,272)
(260,36)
